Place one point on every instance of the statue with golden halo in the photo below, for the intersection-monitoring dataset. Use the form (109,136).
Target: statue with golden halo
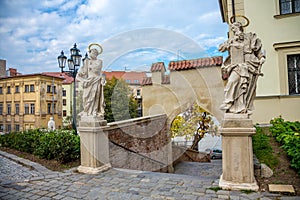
(90,76)
(241,68)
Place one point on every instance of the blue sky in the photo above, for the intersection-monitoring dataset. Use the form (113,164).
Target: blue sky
(133,33)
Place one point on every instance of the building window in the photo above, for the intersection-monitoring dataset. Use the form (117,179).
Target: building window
(32,108)
(1,108)
(26,88)
(26,108)
(64,113)
(127,81)
(8,109)
(8,90)
(8,128)
(64,102)
(136,81)
(17,127)
(138,92)
(17,108)
(293,63)
(64,93)
(54,89)
(31,88)
(49,108)
(289,6)
(17,89)
(1,92)
(48,88)
(1,127)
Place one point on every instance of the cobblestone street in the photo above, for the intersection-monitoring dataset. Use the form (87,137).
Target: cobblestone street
(23,179)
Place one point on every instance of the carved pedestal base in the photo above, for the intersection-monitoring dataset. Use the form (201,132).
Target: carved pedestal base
(94,170)
(229,185)
(94,146)
(237,161)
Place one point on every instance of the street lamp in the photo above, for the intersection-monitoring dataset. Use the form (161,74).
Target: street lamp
(73,64)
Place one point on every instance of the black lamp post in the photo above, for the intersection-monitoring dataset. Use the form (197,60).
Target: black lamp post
(73,64)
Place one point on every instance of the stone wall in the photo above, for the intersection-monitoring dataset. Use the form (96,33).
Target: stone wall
(122,158)
(141,143)
(181,154)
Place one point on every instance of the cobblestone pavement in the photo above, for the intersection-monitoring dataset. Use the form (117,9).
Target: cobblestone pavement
(22,179)
(210,171)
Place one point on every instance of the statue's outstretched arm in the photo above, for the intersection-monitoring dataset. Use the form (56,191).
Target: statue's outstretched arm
(224,47)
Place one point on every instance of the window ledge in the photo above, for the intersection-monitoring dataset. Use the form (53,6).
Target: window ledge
(286,15)
(286,45)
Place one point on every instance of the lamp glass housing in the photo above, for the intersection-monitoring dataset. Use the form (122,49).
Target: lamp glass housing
(71,64)
(76,59)
(62,60)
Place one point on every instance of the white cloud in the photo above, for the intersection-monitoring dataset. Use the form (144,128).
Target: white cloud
(33,33)
(92,8)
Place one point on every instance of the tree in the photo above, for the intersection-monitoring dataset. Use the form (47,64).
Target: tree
(193,123)
(119,101)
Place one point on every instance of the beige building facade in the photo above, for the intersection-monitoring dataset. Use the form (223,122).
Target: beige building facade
(189,81)
(277,24)
(28,102)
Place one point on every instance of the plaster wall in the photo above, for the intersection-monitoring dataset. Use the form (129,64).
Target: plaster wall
(271,28)
(286,106)
(203,86)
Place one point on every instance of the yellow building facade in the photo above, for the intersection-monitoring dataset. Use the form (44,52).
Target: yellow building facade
(67,95)
(28,102)
(277,24)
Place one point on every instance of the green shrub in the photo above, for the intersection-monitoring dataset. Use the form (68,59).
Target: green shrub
(21,141)
(262,148)
(61,145)
(287,134)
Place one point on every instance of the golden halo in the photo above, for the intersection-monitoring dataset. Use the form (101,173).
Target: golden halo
(95,46)
(242,16)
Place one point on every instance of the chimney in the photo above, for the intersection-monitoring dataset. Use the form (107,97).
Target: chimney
(158,72)
(12,72)
(2,68)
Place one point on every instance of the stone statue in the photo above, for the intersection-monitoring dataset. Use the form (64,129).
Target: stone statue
(90,75)
(241,69)
(51,124)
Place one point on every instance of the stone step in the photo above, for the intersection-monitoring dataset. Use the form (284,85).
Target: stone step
(278,188)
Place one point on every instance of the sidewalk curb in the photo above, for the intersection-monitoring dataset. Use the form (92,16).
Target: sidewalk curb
(26,163)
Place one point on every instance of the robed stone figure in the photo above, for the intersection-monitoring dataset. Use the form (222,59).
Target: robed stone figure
(241,69)
(90,76)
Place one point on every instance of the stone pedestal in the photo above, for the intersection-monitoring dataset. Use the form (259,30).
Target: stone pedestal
(94,146)
(237,153)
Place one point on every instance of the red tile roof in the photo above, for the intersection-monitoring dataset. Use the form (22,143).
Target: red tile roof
(157,67)
(196,63)
(68,79)
(133,78)
(147,81)
(182,65)
(116,74)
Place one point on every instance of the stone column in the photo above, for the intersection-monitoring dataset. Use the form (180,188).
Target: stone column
(237,161)
(94,146)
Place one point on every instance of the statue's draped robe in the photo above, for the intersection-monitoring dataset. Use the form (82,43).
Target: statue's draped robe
(242,66)
(93,92)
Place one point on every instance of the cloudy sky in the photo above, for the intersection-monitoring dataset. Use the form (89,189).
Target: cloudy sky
(133,33)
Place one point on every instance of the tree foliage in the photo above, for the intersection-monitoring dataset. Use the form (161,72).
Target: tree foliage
(120,103)
(193,123)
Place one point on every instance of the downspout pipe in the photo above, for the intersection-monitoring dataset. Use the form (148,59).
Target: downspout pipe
(233,9)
